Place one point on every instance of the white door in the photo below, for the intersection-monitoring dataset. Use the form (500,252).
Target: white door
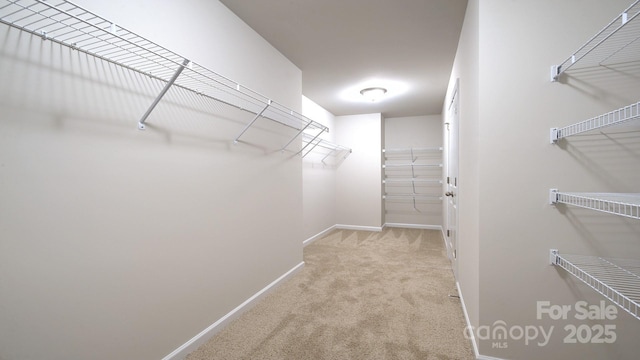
(451,179)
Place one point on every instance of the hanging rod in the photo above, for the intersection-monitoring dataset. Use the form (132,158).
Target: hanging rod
(626,205)
(67,24)
(618,37)
(627,113)
(616,279)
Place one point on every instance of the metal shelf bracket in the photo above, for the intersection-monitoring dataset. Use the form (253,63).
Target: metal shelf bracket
(251,122)
(166,88)
(309,143)
(553,196)
(555,72)
(553,256)
(296,136)
(553,135)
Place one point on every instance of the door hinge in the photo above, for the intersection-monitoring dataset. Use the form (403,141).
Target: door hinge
(455,181)
(448,181)
(448,233)
(455,254)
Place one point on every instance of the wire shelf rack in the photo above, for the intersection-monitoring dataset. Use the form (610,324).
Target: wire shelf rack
(618,42)
(411,165)
(311,142)
(412,149)
(65,23)
(411,180)
(616,117)
(616,279)
(621,204)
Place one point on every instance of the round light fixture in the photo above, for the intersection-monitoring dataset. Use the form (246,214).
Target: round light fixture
(373,93)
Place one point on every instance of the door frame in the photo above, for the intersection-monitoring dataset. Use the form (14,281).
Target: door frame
(451,177)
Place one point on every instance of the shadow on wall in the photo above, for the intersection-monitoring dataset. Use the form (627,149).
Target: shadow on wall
(75,91)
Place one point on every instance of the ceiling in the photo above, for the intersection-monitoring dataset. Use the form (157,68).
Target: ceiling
(343,46)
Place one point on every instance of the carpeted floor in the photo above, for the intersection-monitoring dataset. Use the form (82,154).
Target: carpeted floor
(361,295)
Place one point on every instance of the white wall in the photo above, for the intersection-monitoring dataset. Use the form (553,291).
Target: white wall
(517,104)
(319,176)
(466,71)
(117,243)
(359,178)
(414,132)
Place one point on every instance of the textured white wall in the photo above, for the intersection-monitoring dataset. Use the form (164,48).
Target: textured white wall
(414,132)
(124,244)
(359,178)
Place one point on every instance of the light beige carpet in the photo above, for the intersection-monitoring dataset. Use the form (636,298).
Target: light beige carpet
(361,295)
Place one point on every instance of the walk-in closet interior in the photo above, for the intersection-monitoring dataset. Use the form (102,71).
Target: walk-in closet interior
(164,165)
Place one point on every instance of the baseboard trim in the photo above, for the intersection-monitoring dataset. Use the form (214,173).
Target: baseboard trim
(318,235)
(206,334)
(482,357)
(474,344)
(413,226)
(358,227)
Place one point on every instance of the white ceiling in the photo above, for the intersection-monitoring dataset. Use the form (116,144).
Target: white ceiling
(341,44)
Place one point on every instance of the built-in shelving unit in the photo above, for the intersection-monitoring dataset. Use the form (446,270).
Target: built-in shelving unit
(616,279)
(618,42)
(616,117)
(413,174)
(70,25)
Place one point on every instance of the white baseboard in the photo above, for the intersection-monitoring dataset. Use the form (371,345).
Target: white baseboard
(482,357)
(318,235)
(358,227)
(413,226)
(206,334)
(474,344)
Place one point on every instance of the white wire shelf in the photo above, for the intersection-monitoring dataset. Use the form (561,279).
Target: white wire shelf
(409,196)
(621,204)
(65,23)
(618,42)
(616,117)
(411,180)
(412,149)
(616,279)
(413,197)
(315,142)
(410,165)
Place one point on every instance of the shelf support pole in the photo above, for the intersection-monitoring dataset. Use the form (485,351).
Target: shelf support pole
(298,134)
(173,79)
(309,143)
(252,121)
(329,154)
(313,147)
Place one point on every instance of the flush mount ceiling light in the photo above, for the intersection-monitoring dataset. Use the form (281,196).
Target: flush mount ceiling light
(373,93)
(387,89)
